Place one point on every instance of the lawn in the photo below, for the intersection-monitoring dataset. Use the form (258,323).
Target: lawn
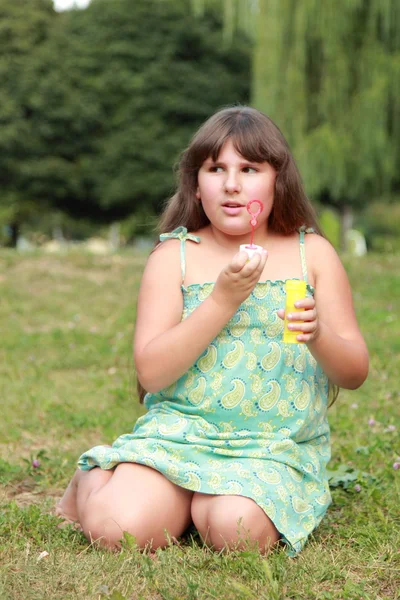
(67,383)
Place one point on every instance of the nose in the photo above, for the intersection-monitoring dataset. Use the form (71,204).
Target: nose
(232,182)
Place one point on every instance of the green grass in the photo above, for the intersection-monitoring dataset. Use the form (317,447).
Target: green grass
(67,383)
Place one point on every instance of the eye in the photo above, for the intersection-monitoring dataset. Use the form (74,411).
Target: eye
(215,169)
(249,169)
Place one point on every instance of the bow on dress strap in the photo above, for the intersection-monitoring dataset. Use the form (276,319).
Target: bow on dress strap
(306,229)
(181,234)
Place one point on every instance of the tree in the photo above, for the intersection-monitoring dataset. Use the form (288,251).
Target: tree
(157,83)
(24,27)
(97,104)
(329,75)
(236,15)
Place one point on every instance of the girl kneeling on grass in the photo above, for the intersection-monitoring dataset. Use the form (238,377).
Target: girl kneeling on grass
(235,439)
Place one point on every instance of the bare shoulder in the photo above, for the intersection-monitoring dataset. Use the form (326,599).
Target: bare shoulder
(321,256)
(164,260)
(317,243)
(167,256)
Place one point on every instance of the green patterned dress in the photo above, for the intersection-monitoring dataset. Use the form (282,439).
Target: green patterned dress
(249,418)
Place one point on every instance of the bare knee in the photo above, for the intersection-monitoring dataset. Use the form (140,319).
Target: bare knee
(105,521)
(233,528)
(234,522)
(107,530)
(103,530)
(137,500)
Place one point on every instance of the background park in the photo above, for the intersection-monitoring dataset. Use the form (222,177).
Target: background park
(95,106)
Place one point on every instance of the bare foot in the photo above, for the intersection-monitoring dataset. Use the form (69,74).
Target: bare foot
(68,523)
(67,507)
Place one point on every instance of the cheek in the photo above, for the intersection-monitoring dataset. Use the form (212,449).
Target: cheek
(270,184)
(206,188)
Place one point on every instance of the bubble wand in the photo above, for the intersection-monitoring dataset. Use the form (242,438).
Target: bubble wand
(252,248)
(254,215)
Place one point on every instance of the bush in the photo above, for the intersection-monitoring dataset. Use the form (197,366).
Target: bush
(380,224)
(141,224)
(330,224)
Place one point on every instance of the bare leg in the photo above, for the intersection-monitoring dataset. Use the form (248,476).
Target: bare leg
(132,498)
(67,508)
(232,521)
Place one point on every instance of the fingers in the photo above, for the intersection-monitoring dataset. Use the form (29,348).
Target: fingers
(305,332)
(307,315)
(306,303)
(303,327)
(238,261)
(307,328)
(255,265)
(238,278)
(249,267)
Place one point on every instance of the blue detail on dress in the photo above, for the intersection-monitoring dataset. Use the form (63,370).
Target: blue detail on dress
(248,418)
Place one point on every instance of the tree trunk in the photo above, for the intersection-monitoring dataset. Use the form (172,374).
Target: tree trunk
(346,223)
(14,232)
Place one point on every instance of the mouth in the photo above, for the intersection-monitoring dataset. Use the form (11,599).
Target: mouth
(232,209)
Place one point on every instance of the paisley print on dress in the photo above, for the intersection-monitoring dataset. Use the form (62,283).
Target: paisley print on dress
(268,400)
(234,356)
(234,397)
(207,362)
(197,394)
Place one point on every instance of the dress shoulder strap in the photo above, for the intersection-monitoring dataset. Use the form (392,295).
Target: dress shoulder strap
(181,234)
(303,230)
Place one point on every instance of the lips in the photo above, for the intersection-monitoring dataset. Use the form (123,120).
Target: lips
(232,208)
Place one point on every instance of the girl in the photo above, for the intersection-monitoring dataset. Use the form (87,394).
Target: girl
(236,437)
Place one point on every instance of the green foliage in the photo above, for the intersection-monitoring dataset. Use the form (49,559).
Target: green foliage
(332,83)
(24,29)
(389,244)
(52,223)
(157,84)
(140,224)
(330,224)
(98,104)
(237,15)
(345,477)
(380,223)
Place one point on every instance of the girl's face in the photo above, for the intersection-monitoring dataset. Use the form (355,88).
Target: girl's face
(227,185)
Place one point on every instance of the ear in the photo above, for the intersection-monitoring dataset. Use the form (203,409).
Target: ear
(198,194)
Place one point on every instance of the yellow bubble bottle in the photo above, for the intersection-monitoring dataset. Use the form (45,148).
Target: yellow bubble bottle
(295,290)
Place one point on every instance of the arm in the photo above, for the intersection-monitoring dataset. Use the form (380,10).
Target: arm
(330,327)
(164,346)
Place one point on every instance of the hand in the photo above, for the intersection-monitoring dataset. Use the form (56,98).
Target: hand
(238,279)
(309,328)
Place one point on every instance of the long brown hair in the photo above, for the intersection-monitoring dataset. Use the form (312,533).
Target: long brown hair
(256,137)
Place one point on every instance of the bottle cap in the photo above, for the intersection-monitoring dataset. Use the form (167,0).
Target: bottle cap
(295,284)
